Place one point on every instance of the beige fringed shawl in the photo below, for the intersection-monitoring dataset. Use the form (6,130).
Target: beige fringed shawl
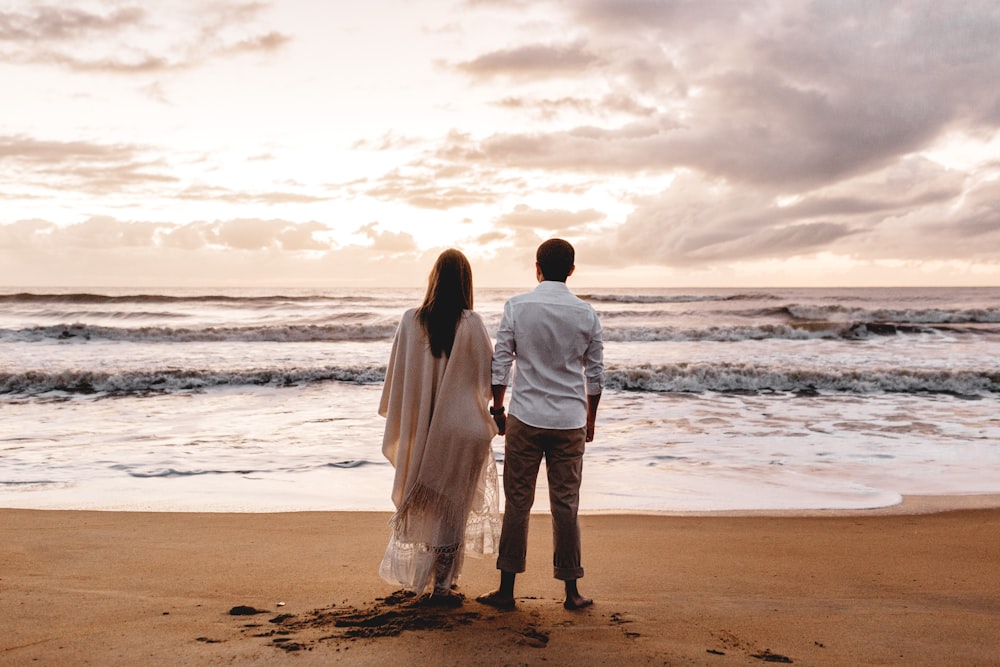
(437,436)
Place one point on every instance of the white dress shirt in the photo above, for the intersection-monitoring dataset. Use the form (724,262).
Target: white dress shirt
(553,340)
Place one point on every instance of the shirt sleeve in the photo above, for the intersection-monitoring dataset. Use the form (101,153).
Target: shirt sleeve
(503,352)
(594,360)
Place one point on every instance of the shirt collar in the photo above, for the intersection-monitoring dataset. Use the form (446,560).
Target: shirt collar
(552,286)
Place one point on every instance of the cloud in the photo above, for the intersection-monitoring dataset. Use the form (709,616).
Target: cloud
(155,92)
(490,237)
(246,251)
(679,135)
(981,223)
(965,228)
(105,232)
(271,41)
(94,169)
(387,142)
(609,105)
(833,91)
(912,212)
(531,61)
(787,129)
(630,148)
(256,234)
(54,23)
(389,242)
(22,234)
(108,233)
(28,150)
(775,137)
(93,233)
(792,96)
(430,183)
(516,4)
(132,39)
(653,17)
(84,166)
(524,216)
(228,195)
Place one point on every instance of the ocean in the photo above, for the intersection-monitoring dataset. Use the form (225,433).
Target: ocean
(716,399)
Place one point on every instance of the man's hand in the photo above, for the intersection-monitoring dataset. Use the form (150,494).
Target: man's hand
(593,400)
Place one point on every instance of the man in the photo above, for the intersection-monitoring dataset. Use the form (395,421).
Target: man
(555,340)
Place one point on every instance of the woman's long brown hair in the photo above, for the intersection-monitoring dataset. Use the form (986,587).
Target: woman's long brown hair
(449,292)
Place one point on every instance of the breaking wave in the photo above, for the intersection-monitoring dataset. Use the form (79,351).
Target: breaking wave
(143,472)
(733,377)
(290,333)
(680,377)
(803,329)
(838,313)
(131,382)
(88,298)
(675,298)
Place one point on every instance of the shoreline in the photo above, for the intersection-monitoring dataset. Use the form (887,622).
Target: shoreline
(909,504)
(841,588)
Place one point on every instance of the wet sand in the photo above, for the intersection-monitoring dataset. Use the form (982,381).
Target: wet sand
(912,585)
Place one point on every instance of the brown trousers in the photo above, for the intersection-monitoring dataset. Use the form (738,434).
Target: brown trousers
(523,452)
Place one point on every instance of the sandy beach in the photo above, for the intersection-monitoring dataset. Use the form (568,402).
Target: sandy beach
(912,585)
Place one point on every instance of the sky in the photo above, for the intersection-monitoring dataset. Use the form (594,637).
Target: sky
(675,143)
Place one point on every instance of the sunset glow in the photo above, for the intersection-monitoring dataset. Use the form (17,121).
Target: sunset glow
(224,142)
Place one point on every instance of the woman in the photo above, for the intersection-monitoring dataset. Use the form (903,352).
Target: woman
(437,437)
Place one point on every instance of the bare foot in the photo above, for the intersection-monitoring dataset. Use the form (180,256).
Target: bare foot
(498,600)
(576,601)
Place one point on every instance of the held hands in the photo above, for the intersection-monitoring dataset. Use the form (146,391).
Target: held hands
(500,418)
(501,421)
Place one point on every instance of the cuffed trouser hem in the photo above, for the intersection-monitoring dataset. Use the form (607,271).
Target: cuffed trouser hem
(568,573)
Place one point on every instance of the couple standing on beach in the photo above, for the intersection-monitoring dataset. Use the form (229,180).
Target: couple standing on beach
(442,375)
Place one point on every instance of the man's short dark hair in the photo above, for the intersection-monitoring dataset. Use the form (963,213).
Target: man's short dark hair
(555,258)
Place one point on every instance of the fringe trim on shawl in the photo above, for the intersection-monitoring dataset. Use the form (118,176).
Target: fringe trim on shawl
(429,525)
